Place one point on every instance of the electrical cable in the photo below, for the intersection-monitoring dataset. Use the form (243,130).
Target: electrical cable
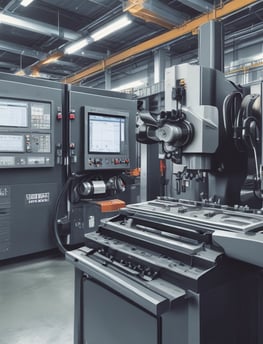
(250,137)
(231,105)
(257,179)
(63,192)
(240,124)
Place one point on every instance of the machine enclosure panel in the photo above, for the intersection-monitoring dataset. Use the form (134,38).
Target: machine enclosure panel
(28,194)
(117,317)
(81,97)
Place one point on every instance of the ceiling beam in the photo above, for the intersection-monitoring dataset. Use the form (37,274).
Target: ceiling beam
(35,68)
(21,50)
(200,5)
(7,65)
(186,28)
(154,12)
(28,24)
(55,56)
(38,55)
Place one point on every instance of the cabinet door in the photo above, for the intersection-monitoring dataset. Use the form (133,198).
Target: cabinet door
(109,318)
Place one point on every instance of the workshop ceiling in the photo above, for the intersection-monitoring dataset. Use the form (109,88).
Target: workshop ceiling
(33,38)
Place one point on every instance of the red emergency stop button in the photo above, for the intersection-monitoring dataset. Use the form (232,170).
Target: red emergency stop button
(72,115)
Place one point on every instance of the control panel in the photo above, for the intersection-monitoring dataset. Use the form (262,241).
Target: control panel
(106,138)
(108,162)
(25,134)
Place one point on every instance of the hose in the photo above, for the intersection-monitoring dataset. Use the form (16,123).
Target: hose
(63,192)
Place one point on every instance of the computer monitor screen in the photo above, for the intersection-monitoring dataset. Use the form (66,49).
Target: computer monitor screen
(106,132)
(13,113)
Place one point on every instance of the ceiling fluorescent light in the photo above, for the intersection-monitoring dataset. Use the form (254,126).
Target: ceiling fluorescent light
(132,84)
(14,21)
(25,3)
(72,48)
(115,25)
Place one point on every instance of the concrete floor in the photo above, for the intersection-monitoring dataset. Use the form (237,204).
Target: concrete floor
(37,301)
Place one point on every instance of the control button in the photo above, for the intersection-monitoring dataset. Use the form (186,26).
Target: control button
(72,115)
(59,115)
(97,162)
(116,161)
(72,145)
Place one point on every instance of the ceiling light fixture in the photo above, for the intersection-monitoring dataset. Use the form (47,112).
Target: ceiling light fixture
(10,20)
(25,3)
(72,48)
(132,84)
(115,25)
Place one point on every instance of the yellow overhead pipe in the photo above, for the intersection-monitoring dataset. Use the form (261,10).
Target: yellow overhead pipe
(187,27)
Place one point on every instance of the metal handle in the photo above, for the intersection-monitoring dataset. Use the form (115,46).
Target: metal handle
(149,300)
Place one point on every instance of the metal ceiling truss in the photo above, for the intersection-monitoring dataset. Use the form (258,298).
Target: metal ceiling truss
(186,28)
(21,50)
(148,10)
(42,28)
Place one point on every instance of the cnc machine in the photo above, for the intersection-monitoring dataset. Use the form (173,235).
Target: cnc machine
(184,268)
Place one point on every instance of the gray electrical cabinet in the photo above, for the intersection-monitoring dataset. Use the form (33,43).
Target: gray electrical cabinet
(102,147)
(63,149)
(31,171)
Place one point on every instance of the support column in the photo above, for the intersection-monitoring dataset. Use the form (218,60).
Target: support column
(150,164)
(108,75)
(159,65)
(108,79)
(211,45)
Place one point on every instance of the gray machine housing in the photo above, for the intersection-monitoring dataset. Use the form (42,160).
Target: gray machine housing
(98,168)
(187,272)
(159,264)
(32,177)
